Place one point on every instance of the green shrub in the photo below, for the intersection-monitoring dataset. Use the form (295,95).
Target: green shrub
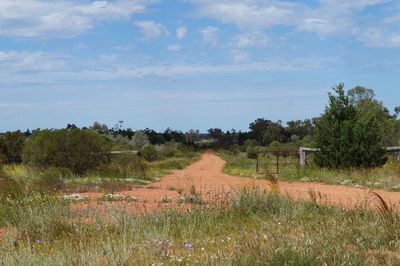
(349,136)
(11,147)
(251,152)
(9,187)
(149,153)
(51,179)
(75,149)
(126,166)
(168,150)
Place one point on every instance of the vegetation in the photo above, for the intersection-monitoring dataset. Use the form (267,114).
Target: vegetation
(352,131)
(75,149)
(40,224)
(386,177)
(11,147)
(267,229)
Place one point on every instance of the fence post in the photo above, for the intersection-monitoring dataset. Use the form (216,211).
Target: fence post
(257,164)
(277,163)
(303,157)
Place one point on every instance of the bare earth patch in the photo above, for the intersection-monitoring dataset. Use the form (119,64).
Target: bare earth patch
(208,179)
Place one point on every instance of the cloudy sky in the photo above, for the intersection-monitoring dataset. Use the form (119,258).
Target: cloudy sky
(190,63)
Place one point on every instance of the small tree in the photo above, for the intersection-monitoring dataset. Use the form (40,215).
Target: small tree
(139,140)
(75,149)
(348,137)
(11,147)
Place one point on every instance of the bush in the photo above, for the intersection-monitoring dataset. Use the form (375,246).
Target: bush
(168,150)
(252,152)
(11,147)
(126,166)
(75,149)
(9,188)
(48,180)
(348,136)
(149,153)
(139,140)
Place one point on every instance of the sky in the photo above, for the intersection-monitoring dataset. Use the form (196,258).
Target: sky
(190,64)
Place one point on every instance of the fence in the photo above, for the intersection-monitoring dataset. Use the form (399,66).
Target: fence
(274,161)
(304,152)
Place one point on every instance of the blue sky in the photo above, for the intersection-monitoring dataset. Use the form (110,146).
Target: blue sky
(189,63)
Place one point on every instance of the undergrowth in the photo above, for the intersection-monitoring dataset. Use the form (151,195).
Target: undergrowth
(255,227)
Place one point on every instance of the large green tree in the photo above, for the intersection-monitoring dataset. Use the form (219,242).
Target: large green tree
(351,132)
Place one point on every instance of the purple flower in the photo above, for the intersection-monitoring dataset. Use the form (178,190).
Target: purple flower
(188,245)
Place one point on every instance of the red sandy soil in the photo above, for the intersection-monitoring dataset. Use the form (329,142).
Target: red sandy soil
(207,176)
(2,232)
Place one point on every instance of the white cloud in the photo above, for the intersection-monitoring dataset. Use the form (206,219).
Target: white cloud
(61,18)
(151,29)
(251,39)
(181,32)
(240,56)
(328,17)
(12,61)
(174,47)
(18,68)
(250,14)
(210,35)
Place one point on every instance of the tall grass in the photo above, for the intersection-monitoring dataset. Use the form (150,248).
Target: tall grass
(256,228)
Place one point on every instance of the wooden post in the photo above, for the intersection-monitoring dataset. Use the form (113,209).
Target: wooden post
(303,157)
(277,163)
(257,165)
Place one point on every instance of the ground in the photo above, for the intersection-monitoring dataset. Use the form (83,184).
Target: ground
(206,177)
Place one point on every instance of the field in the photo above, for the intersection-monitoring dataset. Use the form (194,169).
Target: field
(199,215)
(386,177)
(252,228)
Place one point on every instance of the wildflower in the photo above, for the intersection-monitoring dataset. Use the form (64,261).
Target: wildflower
(188,245)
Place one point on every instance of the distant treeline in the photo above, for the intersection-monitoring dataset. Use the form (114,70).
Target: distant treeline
(350,116)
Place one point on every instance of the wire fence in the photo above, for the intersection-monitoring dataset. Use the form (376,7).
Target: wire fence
(276,161)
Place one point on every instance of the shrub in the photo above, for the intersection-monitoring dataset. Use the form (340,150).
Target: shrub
(349,136)
(48,180)
(127,166)
(149,153)
(75,149)
(9,187)
(251,152)
(139,140)
(168,150)
(11,147)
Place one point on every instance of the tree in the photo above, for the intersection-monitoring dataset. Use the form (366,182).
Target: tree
(75,149)
(274,132)
(11,146)
(360,94)
(397,110)
(348,137)
(139,140)
(300,128)
(258,128)
(100,128)
(192,135)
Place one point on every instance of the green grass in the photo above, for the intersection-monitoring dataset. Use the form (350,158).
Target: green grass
(386,177)
(254,228)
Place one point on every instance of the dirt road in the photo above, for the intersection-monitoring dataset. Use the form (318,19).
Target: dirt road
(207,176)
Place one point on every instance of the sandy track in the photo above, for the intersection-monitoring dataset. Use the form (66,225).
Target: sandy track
(207,176)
